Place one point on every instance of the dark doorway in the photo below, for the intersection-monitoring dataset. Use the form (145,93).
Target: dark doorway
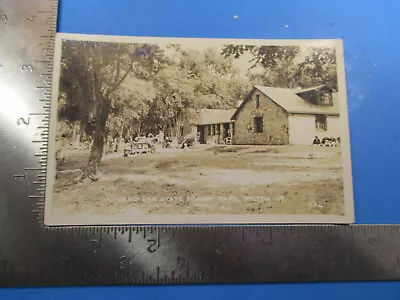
(200,134)
(228,135)
(226,130)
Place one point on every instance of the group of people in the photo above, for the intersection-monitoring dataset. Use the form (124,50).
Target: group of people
(187,142)
(228,138)
(111,145)
(159,138)
(165,140)
(331,141)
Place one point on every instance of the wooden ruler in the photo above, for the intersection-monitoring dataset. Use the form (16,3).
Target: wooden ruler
(33,255)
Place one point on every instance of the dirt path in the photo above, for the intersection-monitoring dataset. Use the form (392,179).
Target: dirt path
(305,180)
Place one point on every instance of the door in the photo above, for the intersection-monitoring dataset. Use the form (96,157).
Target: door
(226,130)
(200,134)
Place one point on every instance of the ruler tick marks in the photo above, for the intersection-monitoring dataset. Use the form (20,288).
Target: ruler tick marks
(38,114)
(39,182)
(20,176)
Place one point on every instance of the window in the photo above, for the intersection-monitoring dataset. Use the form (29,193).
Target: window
(218,129)
(211,129)
(321,122)
(326,99)
(257,101)
(258,124)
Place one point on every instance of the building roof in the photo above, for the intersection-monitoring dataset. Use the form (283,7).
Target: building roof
(292,103)
(213,116)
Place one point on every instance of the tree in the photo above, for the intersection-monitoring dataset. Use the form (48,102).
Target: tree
(218,84)
(131,107)
(175,96)
(266,56)
(74,102)
(189,81)
(288,66)
(92,75)
(319,67)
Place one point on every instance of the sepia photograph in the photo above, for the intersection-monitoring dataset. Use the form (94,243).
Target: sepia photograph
(148,130)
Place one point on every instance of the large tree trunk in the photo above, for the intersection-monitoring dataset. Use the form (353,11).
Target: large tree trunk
(99,136)
(96,153)
(76,138)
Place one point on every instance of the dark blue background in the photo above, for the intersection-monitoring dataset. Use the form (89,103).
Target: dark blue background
(370,30)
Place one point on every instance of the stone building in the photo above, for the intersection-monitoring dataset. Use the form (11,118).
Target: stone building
(278,116)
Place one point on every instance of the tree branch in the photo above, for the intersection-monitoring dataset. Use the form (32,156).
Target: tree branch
(258,59)
(118,68)
(120,80)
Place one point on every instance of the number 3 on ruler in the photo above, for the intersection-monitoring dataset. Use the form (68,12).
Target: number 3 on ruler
(27,68)
(22,120)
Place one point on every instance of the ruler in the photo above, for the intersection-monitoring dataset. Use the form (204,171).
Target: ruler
(34,255)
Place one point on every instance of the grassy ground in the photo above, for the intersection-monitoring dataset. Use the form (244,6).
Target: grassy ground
(219,179)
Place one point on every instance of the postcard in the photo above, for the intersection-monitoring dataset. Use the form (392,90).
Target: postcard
(148,130)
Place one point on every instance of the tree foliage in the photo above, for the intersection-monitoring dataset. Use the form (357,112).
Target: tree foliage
(91,87)
(288,66)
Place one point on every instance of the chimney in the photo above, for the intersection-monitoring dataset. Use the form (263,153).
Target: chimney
(238,103)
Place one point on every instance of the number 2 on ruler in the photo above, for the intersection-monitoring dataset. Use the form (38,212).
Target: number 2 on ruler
(22,120)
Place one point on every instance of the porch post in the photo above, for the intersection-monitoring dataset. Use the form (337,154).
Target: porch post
(231,131)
